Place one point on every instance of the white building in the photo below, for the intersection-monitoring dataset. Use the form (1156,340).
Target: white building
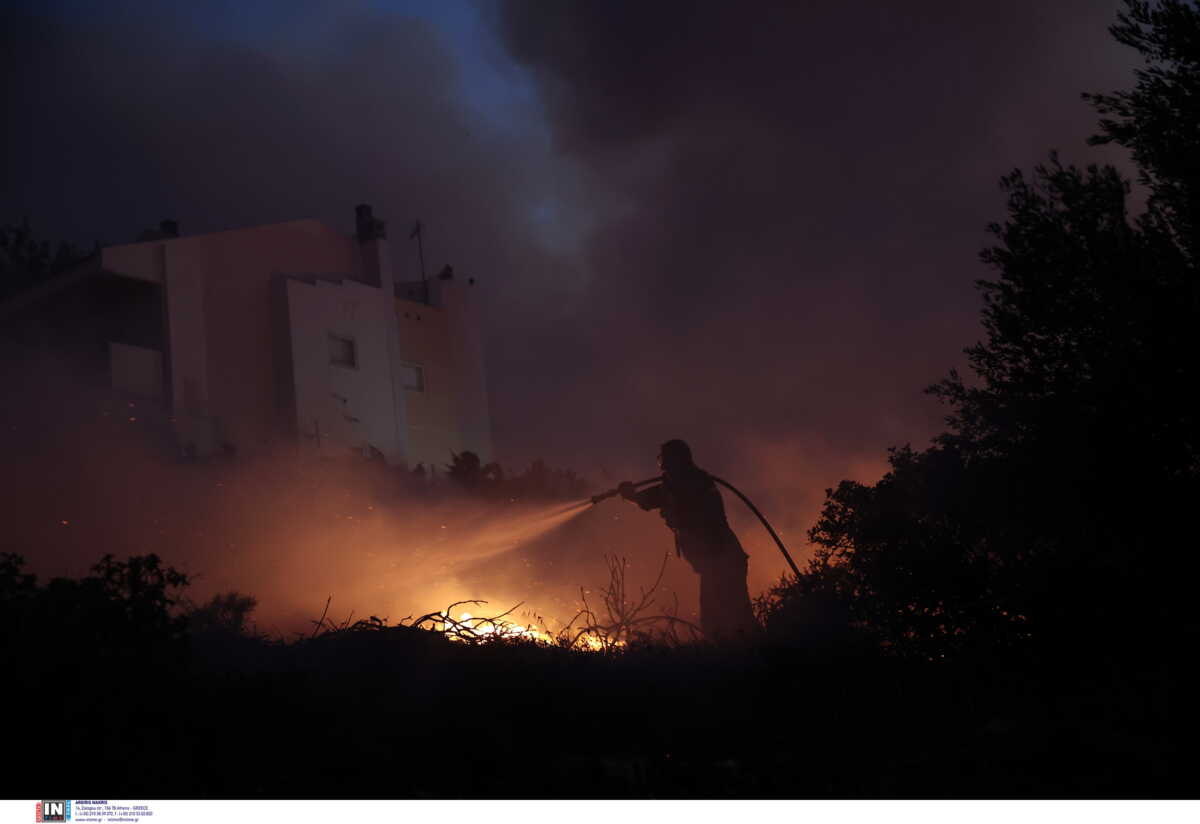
(293,333)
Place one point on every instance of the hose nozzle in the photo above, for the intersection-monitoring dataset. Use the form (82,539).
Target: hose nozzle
(612,493)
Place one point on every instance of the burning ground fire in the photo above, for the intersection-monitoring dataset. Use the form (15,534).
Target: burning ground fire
(288,532)
(471,629)
(624,621)
(408,556)
(502,554)
(468,628)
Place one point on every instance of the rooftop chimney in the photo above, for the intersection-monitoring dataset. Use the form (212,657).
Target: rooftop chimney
(367,225)
(375,259)
(168,228)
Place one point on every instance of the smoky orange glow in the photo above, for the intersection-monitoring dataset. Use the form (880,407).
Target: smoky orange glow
(295,532)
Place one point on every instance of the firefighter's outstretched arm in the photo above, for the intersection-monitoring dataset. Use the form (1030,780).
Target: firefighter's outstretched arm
(650,498)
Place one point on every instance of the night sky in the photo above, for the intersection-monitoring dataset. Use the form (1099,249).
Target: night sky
(753,227)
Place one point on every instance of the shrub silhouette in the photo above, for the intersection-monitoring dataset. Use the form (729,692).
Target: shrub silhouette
(225,613)
(123,609)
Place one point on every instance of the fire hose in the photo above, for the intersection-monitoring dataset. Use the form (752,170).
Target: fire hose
(778,542)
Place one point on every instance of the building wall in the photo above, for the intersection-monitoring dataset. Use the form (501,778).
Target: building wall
(239,338)
(249,313)
(432,411)
(140,261)
(465,344)
(136,370)
(196,425)
(345,407)
(224,351)
(444,339)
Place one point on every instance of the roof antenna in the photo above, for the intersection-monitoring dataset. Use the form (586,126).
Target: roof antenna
(416,233)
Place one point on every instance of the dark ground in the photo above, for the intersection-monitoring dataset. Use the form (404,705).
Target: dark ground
(123,705)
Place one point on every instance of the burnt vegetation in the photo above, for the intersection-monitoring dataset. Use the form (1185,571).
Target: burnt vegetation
(987,620)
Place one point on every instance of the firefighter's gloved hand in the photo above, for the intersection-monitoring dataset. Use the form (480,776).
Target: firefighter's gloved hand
(627,490)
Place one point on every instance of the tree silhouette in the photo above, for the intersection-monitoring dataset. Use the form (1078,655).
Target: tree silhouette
(24,260)
(226,612)
(465,469)
(1069,463)
(1152,119)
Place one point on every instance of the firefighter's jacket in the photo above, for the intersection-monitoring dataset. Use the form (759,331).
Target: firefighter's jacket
(692,507)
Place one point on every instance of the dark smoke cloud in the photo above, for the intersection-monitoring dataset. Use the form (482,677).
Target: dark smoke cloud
(799,192)
(754,226)
(225,115)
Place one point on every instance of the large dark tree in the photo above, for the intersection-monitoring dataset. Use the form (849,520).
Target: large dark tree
(1157,119)
(1058,500)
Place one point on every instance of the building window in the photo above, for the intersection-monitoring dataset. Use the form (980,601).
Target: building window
(413,377)
(342,351)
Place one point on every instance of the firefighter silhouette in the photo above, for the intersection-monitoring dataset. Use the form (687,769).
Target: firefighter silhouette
(688,500)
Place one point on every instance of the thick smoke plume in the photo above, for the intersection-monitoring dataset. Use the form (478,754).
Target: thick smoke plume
(97,476)
(798,194)
(754,228)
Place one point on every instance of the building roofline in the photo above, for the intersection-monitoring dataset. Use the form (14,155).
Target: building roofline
(91,265)
(254,228)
